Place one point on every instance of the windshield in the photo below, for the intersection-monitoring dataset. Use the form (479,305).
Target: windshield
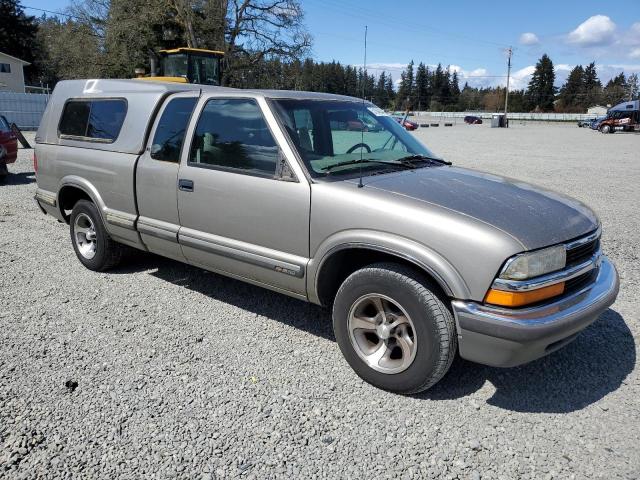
(204,70)
(201,69)
(333,136)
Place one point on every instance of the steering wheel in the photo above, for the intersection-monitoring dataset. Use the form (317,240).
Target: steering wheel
(359,145)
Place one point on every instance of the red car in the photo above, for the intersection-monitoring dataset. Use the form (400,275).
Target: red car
(407,124)
(8,145)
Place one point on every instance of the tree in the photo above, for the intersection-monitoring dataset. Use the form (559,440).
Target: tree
(494,100)
(616,90)
(454,90)
(248,31)
(541,90)
(422,89)
(571,93)
(70,49)
(18,34)
(380,92)
(391,93)
(592,87)
(405,98)
(633,85)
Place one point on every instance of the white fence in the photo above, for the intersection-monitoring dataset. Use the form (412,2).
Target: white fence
(542,117)
(23,109)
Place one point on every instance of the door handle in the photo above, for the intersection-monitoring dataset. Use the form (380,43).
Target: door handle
(185,185)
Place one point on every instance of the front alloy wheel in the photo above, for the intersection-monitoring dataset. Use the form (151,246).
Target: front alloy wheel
(393,327)
(382,333)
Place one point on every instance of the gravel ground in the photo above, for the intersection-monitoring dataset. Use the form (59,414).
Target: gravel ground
(161,370)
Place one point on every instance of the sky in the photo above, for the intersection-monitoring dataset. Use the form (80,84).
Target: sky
(470,36)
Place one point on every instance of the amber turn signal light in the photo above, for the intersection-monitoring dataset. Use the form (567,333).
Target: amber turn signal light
(518,299)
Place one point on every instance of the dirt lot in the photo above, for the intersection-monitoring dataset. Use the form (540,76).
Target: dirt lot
(185,374)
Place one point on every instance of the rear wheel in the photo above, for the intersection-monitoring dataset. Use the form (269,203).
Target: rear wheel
(91,242)
(393,330)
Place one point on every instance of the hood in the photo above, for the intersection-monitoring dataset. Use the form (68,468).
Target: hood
(534,216)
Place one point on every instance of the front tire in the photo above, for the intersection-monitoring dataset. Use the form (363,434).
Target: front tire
(91,242)
(392,329)
(605,129)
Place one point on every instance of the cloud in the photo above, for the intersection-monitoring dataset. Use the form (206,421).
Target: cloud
(635,53)
(529,38)
(598,30)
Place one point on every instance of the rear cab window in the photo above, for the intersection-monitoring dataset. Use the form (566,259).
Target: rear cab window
(97,120)
(171,129)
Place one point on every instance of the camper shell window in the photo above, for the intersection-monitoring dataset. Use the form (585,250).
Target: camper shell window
(95,120)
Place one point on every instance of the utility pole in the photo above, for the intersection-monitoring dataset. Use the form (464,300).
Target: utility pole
(506,96)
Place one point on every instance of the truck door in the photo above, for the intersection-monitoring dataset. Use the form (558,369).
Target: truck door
(157,176)
(239,213)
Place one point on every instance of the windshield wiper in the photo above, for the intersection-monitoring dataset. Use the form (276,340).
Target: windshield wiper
(328,168)
(410,158)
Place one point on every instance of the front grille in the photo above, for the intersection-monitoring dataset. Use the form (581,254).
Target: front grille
(583,252)
(580,281)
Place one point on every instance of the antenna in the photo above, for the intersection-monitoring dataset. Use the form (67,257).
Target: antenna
(364,83)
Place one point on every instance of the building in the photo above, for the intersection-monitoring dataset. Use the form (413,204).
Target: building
(597,110)
(11,73)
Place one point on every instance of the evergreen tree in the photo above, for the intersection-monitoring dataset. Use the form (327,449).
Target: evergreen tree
(351,81)
(405,98)
(379,94)
(455,91)
(422,87)
(391,93)
(616,90)
(592,87)
(438,89)
(541,90)
(572,92)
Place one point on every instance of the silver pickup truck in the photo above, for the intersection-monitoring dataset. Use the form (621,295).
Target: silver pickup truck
(418,259)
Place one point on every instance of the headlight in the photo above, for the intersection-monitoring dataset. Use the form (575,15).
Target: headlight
(534,264)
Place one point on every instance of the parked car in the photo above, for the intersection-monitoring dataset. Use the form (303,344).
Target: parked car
(417,259)
(595,123)
(8,146)
(586,122)
(472,120)
(407,124)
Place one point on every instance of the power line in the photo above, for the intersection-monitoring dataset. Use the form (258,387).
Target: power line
(403,23)
(27,7)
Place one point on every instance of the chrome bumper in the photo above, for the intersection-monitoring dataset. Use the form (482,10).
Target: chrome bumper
(508,337)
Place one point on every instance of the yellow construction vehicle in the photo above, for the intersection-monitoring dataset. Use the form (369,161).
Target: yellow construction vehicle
(186,65)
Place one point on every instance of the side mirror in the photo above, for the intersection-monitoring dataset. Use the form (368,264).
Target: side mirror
(155,150)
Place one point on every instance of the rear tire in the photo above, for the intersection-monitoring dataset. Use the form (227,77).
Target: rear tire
(91,242)
(392,329)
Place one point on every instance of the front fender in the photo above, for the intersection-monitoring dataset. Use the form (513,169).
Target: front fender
(421,255)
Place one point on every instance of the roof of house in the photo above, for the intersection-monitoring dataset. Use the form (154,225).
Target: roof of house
(14,58)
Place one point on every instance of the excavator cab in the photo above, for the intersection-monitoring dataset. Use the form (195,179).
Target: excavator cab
(188,65)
